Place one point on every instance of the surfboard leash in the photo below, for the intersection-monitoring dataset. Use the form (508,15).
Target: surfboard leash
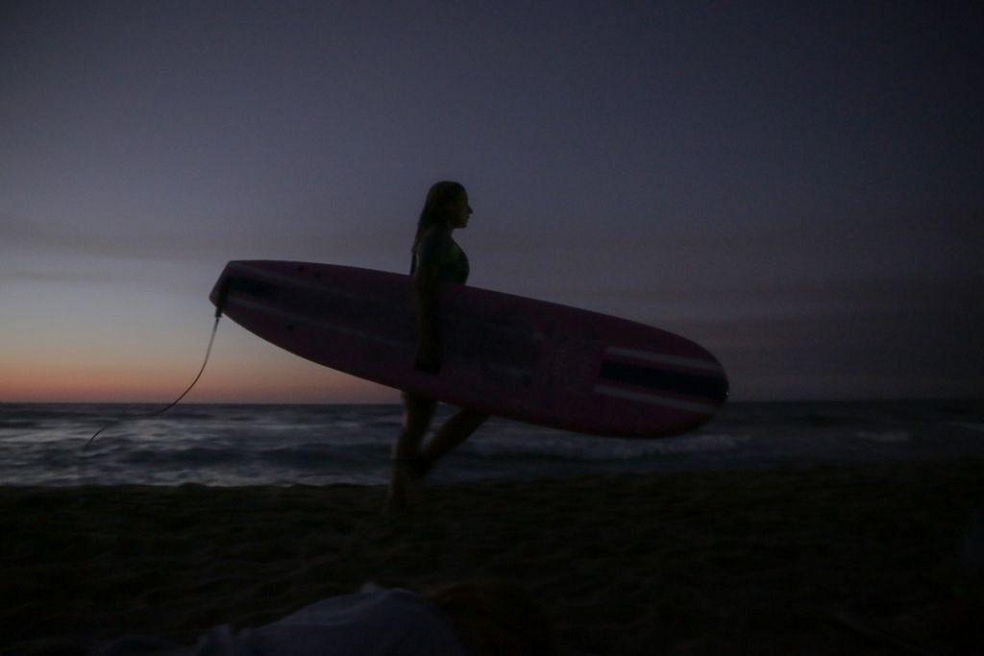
(208,352)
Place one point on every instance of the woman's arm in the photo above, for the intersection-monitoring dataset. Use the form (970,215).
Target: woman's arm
(427,284)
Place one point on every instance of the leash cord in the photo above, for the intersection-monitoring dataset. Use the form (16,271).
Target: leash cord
(156,413)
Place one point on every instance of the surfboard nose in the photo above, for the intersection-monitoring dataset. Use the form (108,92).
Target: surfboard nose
(235,280)
(220,291)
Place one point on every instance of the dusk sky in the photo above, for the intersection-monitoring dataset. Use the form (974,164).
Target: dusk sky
(797,186)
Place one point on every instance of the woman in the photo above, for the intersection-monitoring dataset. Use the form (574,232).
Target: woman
(437,259)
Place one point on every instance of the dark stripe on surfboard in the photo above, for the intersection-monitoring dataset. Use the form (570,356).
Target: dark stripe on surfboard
(670,381)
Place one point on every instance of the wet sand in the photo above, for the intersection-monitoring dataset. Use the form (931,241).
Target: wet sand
(869,559)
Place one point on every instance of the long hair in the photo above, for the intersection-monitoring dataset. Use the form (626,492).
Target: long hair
(435,206)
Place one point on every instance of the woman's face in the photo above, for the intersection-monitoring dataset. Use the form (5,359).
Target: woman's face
(458,211)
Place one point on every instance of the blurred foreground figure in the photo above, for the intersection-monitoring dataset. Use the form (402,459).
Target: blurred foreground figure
(462,619)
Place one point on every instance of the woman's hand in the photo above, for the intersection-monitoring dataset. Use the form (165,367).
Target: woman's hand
(428,358)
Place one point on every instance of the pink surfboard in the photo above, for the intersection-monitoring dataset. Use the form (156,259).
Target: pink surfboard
(505,355)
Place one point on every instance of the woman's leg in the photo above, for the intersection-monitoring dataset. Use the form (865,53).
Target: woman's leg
(455,430)
(417,414)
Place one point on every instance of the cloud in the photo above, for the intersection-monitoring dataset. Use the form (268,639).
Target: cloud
(26,238)
(54,277)
(878,339)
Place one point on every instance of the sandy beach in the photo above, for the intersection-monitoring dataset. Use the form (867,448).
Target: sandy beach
(870,559)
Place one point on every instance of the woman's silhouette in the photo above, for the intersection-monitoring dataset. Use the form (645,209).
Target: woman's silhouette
(436,259)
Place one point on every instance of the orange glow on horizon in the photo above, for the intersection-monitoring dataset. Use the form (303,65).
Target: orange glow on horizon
(75,383)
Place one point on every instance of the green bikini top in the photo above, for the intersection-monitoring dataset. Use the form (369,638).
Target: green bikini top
(453,263)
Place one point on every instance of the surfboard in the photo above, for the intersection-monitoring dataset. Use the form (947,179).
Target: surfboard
(505,355)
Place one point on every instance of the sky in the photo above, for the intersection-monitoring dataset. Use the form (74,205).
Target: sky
(798,187)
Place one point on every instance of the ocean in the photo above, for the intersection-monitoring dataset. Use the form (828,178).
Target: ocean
(232,445)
